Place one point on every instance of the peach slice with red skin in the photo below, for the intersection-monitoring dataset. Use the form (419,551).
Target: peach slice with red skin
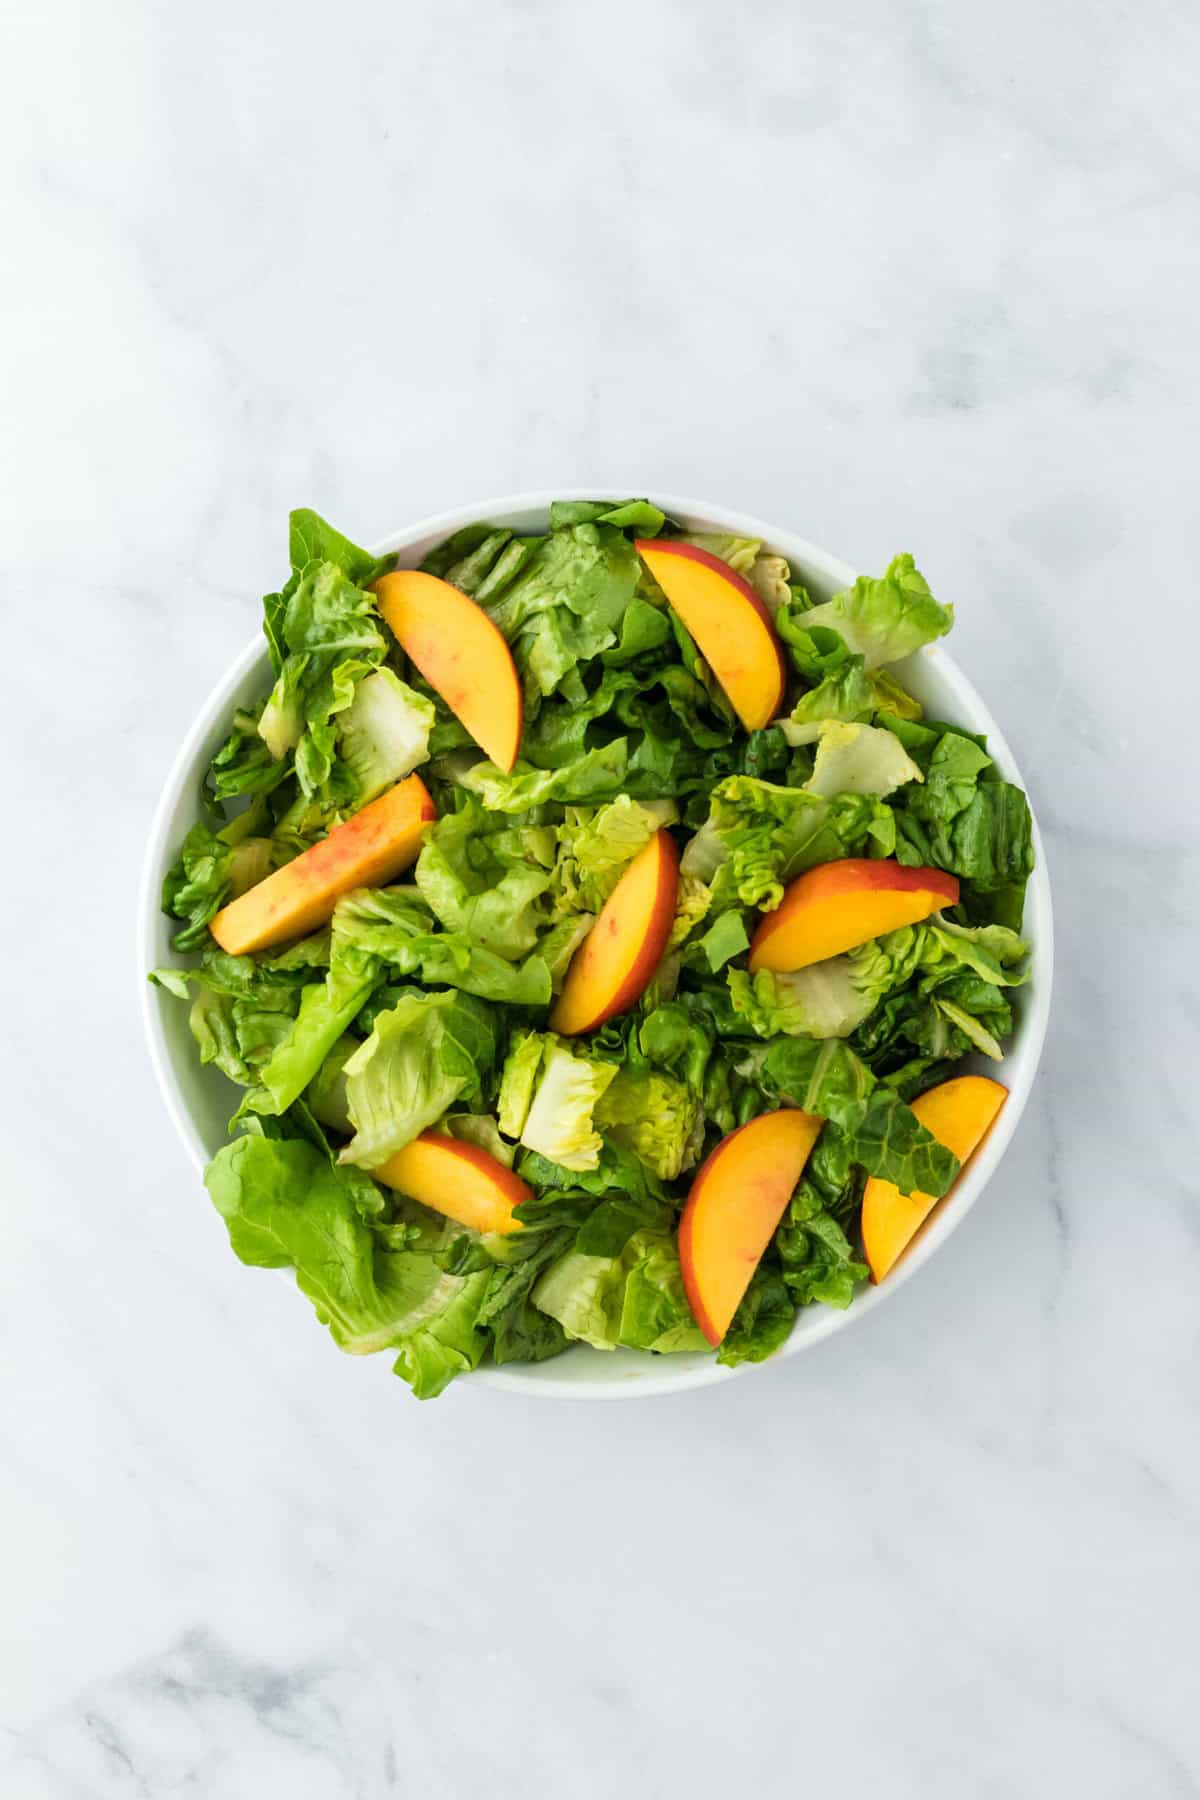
(623,948)
(733,1210)
(732,627)
(839,905)
(460,653)
(463,1181)
(366,851)
(959,1114)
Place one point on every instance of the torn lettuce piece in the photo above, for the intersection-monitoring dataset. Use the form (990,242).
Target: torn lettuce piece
(477,886)
(725,939)
(384,732)
(635,1299)
(828,1079)
(820,1001)
(423,1054)
(326,1092)
(285,1205)
(740,553)
(885,619)
(853,696)
(326,1009)
(559,1123)
(654,1116)
(596,846)
(859,759)
(770,577)
(312,539)
(518,1079)
(565,605)
(758,836)
(817,1259)
(392,931)
(639,516)
(330,637)
(763,1321)
(212,868)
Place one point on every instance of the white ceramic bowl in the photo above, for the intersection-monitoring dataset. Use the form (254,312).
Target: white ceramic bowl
(200,1100)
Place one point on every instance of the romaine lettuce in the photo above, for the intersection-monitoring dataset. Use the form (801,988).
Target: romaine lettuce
(559,1123)
(285,1205)
(423,1054)
(884,620)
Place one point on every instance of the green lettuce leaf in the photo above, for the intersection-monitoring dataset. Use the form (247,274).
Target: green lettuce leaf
(312,539)
(655,1314)
(763,1321)
(392,929)
(886,619)
(518,1078)
(740,553)
(758,836)
(725,939)
(852,695)
(596,846)
(596,775)
(241,1010)
(583,1294)
(656,1117)
(384,733)
(423,1054)
(326,1093)
(618,1171)
(629,515)
(636,1299)
(821,1001)
(285,1205)
(936,990)
(966,820)
(477,887)
(885,1136)
(559,1124)
(330,634)
(326,1009)
(816,1256)
(212,868)
(244,764)
(565,605)
(859,759)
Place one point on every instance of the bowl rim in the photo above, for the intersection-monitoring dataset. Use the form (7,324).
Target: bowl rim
(1029,1039)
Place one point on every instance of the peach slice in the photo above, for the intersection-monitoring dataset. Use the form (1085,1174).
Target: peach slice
(460,653)
(622,950)
(366,851)
(959,1114)
(735,1204)
(729,622)
(461,1180)
(839,905)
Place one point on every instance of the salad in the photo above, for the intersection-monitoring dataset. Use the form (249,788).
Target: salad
(596,930)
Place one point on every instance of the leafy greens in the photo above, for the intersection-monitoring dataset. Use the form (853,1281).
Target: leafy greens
(424,1004)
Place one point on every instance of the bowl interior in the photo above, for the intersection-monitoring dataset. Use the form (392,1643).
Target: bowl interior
(201,1101)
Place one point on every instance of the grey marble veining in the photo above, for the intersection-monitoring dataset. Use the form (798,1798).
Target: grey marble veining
(901,275)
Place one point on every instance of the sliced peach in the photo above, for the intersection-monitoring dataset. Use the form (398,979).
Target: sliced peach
(839,905)
(460,653)
(366,851)
(731,626)
(958,1113)
(458,1179)
(734,1207)
(623,948)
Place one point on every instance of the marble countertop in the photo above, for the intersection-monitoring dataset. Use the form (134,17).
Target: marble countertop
(902,275)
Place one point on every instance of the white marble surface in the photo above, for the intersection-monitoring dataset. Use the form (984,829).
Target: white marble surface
(904,275)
